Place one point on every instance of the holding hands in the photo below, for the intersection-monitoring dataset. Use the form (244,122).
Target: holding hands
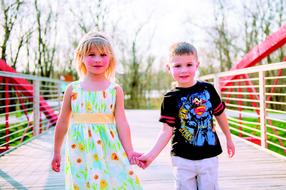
(146,160)
(133,158)
(141,160)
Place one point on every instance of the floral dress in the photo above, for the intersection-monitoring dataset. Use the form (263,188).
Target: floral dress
(95,158)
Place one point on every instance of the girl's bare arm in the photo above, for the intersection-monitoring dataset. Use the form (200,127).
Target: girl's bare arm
(63,120)
(121,122)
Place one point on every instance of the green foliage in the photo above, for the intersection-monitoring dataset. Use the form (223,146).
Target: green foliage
(146,90)
(19,134)
(139,80)
(272,139)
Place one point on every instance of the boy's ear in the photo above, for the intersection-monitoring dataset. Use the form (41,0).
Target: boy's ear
(168,67)
(198,63)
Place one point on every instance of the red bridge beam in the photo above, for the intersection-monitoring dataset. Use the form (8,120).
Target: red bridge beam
(262,50)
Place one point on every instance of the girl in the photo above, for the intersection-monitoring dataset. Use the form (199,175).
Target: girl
(98,143)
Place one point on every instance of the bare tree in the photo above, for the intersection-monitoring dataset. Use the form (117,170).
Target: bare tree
(45,53)
(222,38)
(10,14)
(260,21)
(22,40)
(97,10)
(257,21)
(137,77)
(222,48)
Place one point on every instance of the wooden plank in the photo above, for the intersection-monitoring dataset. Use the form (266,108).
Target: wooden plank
(28,167)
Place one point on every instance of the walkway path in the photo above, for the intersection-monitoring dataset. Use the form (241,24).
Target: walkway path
(251,168)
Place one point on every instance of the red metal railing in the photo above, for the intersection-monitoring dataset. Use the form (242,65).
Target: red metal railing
(28,107)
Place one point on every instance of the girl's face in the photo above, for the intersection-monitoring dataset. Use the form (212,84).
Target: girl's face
(96,63)
(183,69)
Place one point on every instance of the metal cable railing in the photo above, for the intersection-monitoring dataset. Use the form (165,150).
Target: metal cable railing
(255,100)
(29,105)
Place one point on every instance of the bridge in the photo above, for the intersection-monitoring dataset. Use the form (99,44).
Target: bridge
(258,127)
(255,98)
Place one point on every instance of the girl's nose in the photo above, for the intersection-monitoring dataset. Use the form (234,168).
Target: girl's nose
(97,58)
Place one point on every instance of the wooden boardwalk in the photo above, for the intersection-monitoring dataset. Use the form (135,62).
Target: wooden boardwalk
(28,167)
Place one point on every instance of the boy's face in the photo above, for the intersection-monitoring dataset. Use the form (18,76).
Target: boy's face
(183,69)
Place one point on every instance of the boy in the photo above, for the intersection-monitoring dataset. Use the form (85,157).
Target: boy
(187,116)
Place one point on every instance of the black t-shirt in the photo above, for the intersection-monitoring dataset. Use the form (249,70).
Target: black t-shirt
(190,111)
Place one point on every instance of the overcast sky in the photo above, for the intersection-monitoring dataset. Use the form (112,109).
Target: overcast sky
(171,20)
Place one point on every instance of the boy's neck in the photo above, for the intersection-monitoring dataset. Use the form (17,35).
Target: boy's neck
(187,85)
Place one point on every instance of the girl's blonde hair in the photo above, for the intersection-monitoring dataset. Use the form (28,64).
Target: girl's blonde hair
(101,43)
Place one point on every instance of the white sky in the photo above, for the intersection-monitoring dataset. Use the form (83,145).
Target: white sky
(172,21)
(169,19)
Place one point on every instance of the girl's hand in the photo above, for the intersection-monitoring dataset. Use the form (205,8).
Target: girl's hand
(132,157)
(136,161)
(230,148)
(56,163)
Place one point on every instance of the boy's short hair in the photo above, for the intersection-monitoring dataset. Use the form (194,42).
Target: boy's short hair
(183,48)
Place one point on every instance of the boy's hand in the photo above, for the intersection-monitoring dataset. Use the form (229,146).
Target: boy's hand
(146,160)
(230,148)
(56,163)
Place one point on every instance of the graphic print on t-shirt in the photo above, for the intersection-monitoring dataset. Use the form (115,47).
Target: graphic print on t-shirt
(195,113)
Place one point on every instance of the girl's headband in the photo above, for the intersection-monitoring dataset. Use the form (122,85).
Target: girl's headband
(100,38)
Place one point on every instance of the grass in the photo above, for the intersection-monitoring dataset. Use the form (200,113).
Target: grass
(277,132)
(22,125)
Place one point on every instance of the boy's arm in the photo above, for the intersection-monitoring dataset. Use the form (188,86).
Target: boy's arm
(61,128)
(223,123)
(162,140)
(122,124)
